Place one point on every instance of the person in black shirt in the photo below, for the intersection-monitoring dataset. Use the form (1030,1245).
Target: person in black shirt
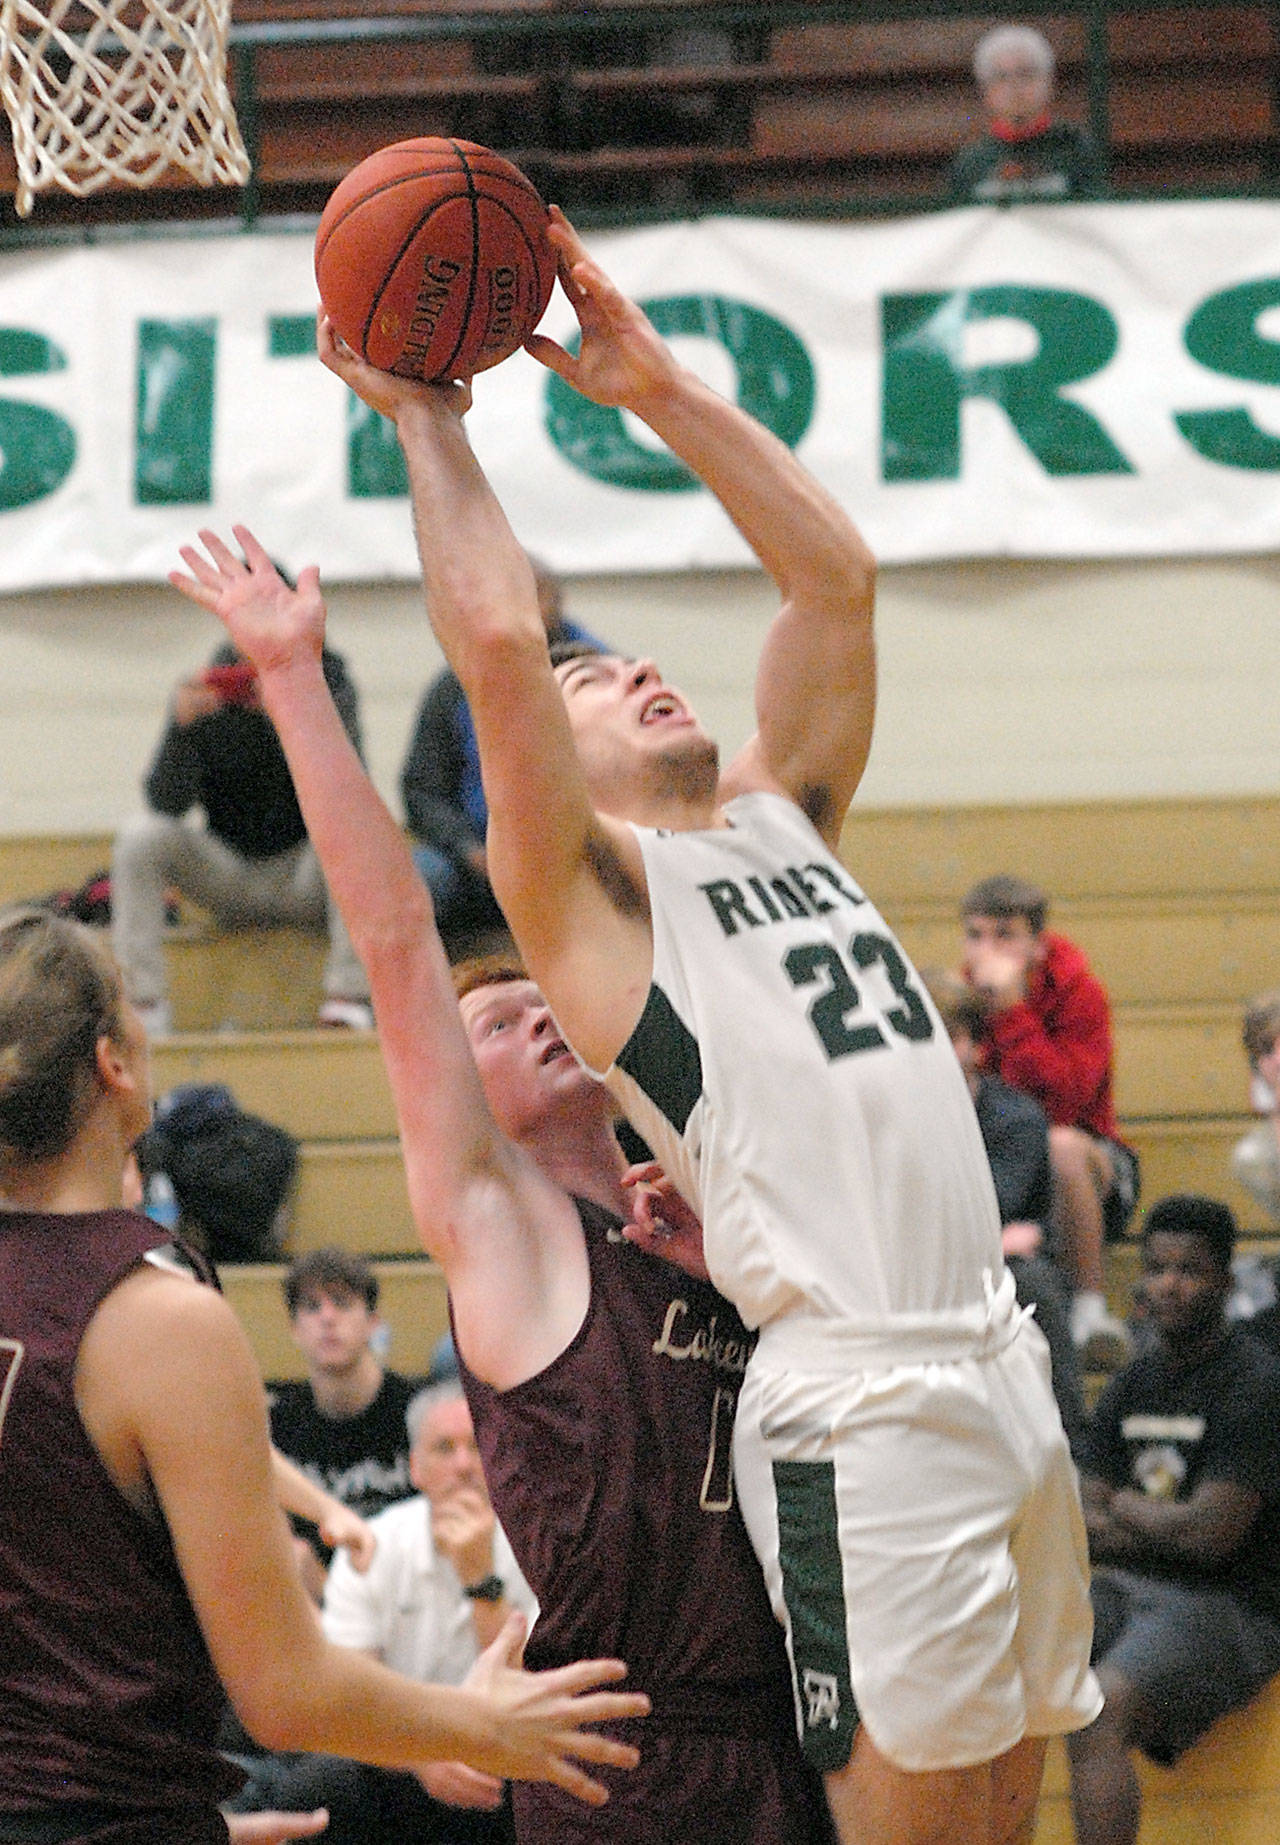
(1025,154)
(1181,1488)
(344,1424)
(251,863)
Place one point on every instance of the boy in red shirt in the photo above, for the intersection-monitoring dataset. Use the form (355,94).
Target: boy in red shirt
(1049,1033)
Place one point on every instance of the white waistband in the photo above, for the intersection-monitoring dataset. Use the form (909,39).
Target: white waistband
(805,1341)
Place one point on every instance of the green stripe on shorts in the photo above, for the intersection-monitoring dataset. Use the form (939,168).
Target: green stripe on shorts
(813,1588)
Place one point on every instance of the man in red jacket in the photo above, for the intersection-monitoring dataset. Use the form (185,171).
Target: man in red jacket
(1049,1033)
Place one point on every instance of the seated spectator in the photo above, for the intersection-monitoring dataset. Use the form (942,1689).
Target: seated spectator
(1015,1132)
(1255,1160)
(1049,1033)
(442,1583)
(250,863)
(344,1424)
(1181,1487)
(1024,154)
(443,796)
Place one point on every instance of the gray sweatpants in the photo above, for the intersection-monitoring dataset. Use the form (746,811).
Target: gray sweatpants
(154,853)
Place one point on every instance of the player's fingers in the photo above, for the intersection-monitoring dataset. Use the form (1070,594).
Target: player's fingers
(222,554)
(548,353)
(193,591)
(601,1751)
(201,569)
(254,555)
(647,1172)
(574,1781)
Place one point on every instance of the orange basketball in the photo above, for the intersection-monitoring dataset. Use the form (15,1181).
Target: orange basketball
(432,258)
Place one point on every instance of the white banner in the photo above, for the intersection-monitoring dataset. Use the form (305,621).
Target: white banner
(1081,380)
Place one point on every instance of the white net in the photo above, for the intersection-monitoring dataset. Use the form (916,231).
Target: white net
(102,90)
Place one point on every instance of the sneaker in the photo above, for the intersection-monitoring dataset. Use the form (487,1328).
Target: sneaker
(1102,1341)
(156,1016)
(346,1014)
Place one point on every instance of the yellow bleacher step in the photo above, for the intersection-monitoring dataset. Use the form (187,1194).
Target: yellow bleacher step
(1146,951)
(1077,849)
(1226,1789)
(1190,1155)
(321,1085)
(1171,1061)
(412,1301)
(352,1193)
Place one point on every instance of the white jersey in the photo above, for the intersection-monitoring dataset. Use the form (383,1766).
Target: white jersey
(795,1081)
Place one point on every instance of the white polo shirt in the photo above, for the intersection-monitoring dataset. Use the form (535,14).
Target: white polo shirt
(409,1608)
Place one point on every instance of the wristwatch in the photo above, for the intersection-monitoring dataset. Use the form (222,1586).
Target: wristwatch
(488,1589)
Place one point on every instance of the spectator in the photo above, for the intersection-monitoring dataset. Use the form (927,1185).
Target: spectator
(1015,1133)
(1255,1159)
(1049,1033)
(443,796)
(250,863)
(344,1424)
(441,1585)
(1024,153)
(1181,1484)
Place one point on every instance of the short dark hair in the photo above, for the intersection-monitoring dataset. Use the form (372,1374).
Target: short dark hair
(325,1271)
(1191,1214)
(1005,895)
(576,650)
(1261,1025)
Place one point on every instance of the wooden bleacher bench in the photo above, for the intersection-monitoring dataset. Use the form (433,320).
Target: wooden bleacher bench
(1224,1791)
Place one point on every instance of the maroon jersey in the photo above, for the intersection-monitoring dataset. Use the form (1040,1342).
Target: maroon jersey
(108,1699)
(610,1472)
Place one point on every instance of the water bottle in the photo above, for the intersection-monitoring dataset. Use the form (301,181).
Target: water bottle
(161,1201)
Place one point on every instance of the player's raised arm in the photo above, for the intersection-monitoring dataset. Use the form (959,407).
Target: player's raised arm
(815,689)
(480,1206)
(568,879)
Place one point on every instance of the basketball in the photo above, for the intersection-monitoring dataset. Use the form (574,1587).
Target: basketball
(432,259)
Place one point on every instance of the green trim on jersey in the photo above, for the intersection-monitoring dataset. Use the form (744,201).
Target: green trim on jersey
(662,1057)
(813,1589)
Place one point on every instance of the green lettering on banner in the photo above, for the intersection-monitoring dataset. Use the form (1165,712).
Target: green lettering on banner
(926,380)
(1223,335)
(37,446)
(375,465)
(173,424)
(775,383)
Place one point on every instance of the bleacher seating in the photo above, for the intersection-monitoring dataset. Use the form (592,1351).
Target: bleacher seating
(622,104)
(1226,1789)
(1177,903)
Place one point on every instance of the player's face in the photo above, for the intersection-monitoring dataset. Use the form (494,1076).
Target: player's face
(1017,91)
(332,1328)
(629,725)
(445,1459)
(1182,1286)
(526,1067)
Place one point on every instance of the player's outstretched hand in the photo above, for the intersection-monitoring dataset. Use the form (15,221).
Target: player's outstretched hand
(622,360)
(268,621)
(383,391)
(662,1224)
(535,1719)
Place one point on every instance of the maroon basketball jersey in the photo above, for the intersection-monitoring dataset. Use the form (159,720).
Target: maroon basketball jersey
(610,1472)
(108,1698)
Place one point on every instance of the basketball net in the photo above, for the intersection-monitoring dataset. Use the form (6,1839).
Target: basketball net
(102,90)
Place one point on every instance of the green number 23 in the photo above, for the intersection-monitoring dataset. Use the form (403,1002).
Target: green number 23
(833,1012)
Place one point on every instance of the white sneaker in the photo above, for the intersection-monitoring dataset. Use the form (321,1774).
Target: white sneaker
(156,1016)
(1101,1340)
(346,1014)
